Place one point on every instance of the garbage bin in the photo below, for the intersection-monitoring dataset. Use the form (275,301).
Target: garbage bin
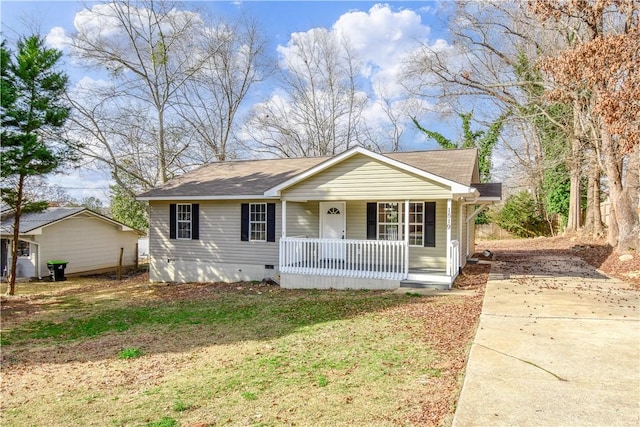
(56,268)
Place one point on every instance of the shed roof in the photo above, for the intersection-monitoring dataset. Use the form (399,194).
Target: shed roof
(252,178)
(32,221)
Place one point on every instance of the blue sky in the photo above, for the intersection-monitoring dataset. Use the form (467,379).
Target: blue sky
(424,20)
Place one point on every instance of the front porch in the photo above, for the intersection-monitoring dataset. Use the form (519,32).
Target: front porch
(358,264)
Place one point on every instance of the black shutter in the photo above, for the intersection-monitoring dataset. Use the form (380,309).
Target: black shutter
(372,223)
(244,222)
(430,224)
(195,221)
(172,221)
(271,222)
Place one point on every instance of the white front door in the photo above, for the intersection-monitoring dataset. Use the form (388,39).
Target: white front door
(333,226)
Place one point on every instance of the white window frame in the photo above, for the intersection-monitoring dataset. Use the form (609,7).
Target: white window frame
(184,217)
(413,222)
(20,252)
(397,224)
(257,222)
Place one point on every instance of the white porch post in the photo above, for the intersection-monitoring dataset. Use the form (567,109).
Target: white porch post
(406,236)
(449,237)
(284,218)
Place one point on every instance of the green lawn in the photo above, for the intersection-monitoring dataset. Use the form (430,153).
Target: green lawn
(244,355)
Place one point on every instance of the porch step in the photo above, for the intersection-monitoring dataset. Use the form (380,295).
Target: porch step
(413,284)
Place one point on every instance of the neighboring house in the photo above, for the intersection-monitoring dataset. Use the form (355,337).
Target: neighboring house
(355,220)
(87,240)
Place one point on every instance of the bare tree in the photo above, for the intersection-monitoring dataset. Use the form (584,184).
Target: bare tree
(319,107)
(149,51)
(209,102)
(601,69)
(492,65)
(175,84)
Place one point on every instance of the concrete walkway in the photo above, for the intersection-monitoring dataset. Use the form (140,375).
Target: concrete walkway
(558,344)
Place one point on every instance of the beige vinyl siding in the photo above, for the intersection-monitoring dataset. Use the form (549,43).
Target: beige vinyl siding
(357,220)
(302,219)
(361,178)
(87,243)
(219,240)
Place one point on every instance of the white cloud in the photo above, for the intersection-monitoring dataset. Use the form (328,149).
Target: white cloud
(99,21)
(58,38)
(382,35)
(383,38)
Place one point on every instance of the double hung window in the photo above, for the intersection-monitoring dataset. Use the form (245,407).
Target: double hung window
(183,221)
(386,221)
(389,221)
(258,222)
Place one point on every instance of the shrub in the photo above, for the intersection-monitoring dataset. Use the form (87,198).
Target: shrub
(129,353)
(520,216)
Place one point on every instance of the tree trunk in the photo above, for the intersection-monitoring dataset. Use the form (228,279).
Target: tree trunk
(626,215)
(162,156)
(574,221)
(593,222)
(612,230)
(16,235)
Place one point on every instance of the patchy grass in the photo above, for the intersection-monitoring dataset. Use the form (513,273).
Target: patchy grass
(129,353)
(237,354)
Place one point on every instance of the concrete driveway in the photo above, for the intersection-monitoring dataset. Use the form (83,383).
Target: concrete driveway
(558,344)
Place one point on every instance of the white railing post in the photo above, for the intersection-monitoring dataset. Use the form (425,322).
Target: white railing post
(375,259)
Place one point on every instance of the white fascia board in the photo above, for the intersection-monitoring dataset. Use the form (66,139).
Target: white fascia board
(462,191)
(34,232)
(456,188)
(204,198)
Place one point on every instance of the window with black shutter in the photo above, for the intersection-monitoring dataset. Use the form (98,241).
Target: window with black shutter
(258,222)
(385,221)
(184,221)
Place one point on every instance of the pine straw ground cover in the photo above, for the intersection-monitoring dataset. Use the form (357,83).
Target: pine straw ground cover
(101,352)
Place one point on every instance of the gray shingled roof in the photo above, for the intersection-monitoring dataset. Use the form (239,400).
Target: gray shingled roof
(34,220)
(254,177)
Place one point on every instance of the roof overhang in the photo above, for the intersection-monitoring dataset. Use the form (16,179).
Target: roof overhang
(199,198)
(456,188)
(38,230)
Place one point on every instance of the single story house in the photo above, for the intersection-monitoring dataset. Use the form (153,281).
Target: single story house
(89,241)
(358,220)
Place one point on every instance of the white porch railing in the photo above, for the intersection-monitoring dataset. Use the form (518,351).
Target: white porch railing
(368,259)
(454,259)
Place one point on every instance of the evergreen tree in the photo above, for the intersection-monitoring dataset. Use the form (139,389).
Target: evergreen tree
(126,209)
(32,114)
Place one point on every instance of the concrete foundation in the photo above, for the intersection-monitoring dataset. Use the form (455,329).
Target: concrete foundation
(301,281)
